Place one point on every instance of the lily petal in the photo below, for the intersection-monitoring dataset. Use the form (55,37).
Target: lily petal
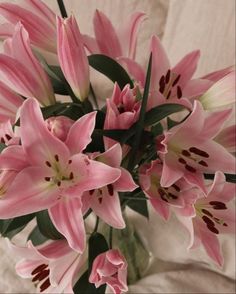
(28,193)
(67,217)
(109,45)
(79,135)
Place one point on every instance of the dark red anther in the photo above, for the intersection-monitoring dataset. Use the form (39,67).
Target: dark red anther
(177,188)
(199,152)
(110,189)
(91,192)
(167,79)
(59,183)
(190,168)
(40,268)
(47,179)
(207,212)
(168,95)
(203,163)
(8,137)
(181,160)
(71,176)
(100,200)
(172,196)
(179,92)
(176,81)
(213,229)
(45,285)
(186,153)
(48,163)
(218,205)
(2,141)
(56,157)
(208,221)
(41,276)
(70,161)
(162,84)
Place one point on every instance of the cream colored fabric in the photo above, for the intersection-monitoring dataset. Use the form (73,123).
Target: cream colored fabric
(185,25)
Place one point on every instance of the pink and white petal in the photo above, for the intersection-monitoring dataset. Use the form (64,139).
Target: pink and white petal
(67,217)
(187,222)
(197,180)
(125,182)
(160,63)
(214,123)
(134,69)
(171,172)
(196,87)
(108,209)
(6,30)
(109,45)
(79,135)
(28,193)
(219,74)
(112,156)
(161,208)
(13,158)
(37,141)
(129,32)
(63,271)
(91,174)
(186,67)
(227,138)
(90,44)
(219,158)
(24,268)
(211,245)
(221,94)
(54,249)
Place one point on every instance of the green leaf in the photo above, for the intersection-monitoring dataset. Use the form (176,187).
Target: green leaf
(141,120)
(157,129)
(36,237)
(111,69)
(54,110)
(157,113)
(231,178)
(9,228)
(84,287)
(46,226)
(97,245)
(140,206)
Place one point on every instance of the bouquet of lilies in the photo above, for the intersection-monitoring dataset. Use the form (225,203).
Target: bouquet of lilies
(71,163)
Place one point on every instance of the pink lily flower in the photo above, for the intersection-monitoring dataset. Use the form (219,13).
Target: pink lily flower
(57,173)
(122,111)
(111,42)
(22,72)
(110,268)
(72,56)
(52,267)
(10,102)
(59,126)
(189,156)
(37,18)
(207,217)
(221,94)
(162,198)
(169,85)
(105,201)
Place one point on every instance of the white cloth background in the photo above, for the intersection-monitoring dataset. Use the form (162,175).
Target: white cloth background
(184,25)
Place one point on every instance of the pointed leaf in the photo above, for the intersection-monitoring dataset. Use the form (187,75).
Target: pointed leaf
(111,69)
(36,237)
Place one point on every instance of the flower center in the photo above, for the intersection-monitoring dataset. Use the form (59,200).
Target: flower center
(60,174)
(168,82)
(208,216)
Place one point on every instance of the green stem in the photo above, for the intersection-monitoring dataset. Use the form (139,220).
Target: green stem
(62,8)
